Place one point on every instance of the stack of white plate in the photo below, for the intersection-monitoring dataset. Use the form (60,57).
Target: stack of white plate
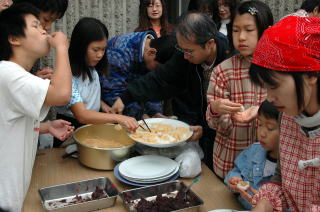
(148,169)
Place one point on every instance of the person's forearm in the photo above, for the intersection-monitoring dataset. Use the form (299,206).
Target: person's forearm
(93,117)
(61,80)
(44,127)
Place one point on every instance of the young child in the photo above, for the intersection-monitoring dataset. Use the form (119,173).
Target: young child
(87,58)
(257,163)
(286,62)
(4,4)
(230,89)
(131,56)
(25,98)
(153,16)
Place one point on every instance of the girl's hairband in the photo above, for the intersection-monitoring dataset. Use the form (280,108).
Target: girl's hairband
(252,11)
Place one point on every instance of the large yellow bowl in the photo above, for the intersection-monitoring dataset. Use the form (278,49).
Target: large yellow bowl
(102,158)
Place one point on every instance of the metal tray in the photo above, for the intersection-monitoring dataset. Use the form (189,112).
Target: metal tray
(66,197)
(170,189)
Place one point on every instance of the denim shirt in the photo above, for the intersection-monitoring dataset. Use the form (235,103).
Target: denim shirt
(249,166)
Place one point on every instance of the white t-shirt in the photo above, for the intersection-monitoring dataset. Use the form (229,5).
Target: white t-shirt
(21,104)
(86,91)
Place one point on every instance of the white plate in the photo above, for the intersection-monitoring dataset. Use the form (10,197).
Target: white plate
(160,144)
(147,167)
(154,180)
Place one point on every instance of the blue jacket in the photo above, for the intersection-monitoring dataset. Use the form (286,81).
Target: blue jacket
(249,165)
(125,58)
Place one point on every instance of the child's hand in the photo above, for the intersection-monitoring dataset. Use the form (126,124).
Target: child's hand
(197,133)
(247,115)
(45,73)
(233,182)
(128,122)
(60,129)
(118,106)
(225,106)
(247,196)
(58,40)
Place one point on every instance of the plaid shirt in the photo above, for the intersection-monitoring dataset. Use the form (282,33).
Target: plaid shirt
(300,190)
(230,80)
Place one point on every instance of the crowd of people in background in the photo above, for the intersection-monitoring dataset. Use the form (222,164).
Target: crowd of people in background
(247,86)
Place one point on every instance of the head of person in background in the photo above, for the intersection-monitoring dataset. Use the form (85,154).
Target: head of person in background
(158,51)
(87,47)
(252,18)
(50,10)
(4,4)
(209,7)
(268,128)
(196,34)
(226,11)
(312,7)
(153,16)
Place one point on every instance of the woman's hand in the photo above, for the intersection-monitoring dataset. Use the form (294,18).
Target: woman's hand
(60,129)
(233,182)
(247,115)
(225,106)
(45,73)
(263,206)
(197,133)
(128,122)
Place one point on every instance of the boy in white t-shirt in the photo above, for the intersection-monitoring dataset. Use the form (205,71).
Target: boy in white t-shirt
(25,98)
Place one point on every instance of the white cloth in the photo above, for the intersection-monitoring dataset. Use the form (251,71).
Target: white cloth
(269,168)
(21,104)
(84,91)
(223,28)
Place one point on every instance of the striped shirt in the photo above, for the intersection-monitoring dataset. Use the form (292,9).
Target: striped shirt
(230,80)
(299,189)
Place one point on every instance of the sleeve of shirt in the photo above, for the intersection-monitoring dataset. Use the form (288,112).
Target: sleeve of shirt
(217,89)
(274,194)
(26,92)
(75,95)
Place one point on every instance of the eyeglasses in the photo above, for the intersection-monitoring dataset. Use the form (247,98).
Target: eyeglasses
(186,52)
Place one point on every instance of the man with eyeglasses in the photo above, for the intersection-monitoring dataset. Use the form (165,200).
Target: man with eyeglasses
(185,77)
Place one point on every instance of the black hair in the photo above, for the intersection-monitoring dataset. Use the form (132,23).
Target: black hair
(261,76)
(144,20)
(309,5)
(212,5)
(196,27)
(58,7)
(13,23)
(268,110)
(86,31)
(165,47)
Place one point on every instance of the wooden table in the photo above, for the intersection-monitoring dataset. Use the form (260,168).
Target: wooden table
(50,169)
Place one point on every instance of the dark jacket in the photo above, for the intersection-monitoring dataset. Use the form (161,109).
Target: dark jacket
(180,80)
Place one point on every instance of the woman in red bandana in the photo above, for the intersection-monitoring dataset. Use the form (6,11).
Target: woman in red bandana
(287,63)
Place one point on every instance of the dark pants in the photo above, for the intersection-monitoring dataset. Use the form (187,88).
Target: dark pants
(206,144)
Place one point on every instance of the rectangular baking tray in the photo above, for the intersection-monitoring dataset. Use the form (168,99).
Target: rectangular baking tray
(132,197)
(57,198)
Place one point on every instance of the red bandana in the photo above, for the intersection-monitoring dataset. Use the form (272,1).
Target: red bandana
(292,44)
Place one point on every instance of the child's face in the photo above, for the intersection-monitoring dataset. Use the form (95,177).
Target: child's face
(4,4)
(95,52)
(154,10)
(224,10)
(47,19)
(35,40)
(268,133)
(245,34)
